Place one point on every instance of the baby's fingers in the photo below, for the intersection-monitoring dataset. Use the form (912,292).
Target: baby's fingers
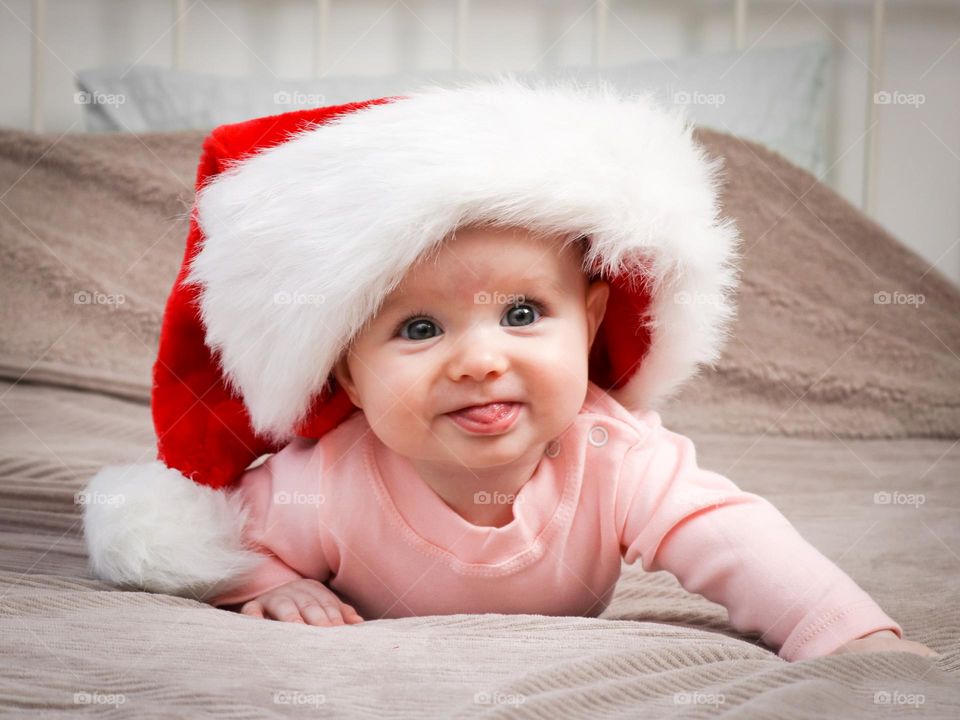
(322,610)
(284,609)
(350,615)
(919,649)
(321,606)
(253,609)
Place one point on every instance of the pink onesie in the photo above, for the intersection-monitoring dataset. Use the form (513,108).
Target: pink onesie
(348,511)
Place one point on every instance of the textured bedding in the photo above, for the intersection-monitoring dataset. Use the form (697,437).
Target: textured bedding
(842,409)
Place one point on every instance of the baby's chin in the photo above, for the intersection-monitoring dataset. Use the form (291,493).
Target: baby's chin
(488,455)
(447,443)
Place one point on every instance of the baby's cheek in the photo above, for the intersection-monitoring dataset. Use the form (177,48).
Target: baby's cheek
(398,412)
(556,370)
(560,391)
(392,384)
(409,434)
(395,425)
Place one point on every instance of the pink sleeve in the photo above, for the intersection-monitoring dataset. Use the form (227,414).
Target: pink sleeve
(283,525)
(735,548)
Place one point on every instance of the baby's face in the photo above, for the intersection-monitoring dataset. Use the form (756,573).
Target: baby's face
(496,314)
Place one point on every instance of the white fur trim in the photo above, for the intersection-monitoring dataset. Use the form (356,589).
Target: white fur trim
(149,527)
(336,214)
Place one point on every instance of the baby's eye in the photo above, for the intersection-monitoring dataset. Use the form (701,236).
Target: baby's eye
(420,329)
(522,314)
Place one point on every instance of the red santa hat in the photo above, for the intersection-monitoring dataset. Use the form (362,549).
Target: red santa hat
(334,204)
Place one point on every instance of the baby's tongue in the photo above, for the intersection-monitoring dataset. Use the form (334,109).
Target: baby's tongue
(486,413)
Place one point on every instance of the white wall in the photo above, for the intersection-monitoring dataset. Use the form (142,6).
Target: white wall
(918,191)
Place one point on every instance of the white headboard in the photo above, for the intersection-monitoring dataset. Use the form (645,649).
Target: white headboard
(458,44)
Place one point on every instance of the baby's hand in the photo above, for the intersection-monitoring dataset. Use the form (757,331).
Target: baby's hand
(884,641)
(303,601)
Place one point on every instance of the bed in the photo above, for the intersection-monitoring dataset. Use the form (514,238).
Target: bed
(838,398)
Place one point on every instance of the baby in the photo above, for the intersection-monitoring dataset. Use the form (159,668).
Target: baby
(486,473)
(447,320)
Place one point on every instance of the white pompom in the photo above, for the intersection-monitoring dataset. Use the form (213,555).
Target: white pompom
(149,527)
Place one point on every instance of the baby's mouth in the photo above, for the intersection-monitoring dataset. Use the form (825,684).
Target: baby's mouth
(492,418)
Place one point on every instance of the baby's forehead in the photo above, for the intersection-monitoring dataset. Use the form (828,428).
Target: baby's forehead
(464,284)
(494,258)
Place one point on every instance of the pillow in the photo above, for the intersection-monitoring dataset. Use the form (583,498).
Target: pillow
(840,330)
(776,96)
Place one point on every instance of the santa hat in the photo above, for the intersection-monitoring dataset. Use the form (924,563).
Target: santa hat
(304,222)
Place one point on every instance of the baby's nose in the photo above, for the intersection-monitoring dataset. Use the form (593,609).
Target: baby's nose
(477,356)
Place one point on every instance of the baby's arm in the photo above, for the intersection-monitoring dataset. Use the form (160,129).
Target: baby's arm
(737,549)
(282,500)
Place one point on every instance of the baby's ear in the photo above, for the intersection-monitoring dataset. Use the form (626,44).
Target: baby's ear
(597,295)
(341,372)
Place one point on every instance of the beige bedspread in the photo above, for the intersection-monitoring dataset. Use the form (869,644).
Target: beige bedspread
(843,411)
